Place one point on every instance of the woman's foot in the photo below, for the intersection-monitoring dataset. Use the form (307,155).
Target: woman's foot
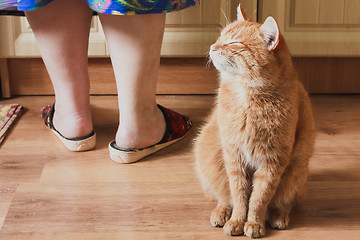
(72,123)
(75,142)
(176,127)
(141,128)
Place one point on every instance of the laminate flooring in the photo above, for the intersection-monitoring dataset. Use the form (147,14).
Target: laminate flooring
(47,192)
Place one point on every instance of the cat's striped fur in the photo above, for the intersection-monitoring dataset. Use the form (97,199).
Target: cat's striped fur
(252,154)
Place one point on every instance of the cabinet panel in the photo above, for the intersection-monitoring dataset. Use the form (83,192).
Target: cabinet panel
(191,16)
(25,43)
(6,36)
(190,32)
(306,11)
(331,12)
(316,28)
(211,8)
(351,12)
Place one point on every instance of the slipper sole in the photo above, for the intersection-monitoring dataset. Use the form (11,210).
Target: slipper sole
(77,145)
(130,157)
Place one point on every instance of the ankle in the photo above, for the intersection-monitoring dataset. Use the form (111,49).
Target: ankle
(72,124)
(140,130)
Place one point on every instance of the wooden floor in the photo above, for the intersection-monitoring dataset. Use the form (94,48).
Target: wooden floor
(47,192)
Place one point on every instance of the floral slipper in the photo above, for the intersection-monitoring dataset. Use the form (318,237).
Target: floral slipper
(79,144)
(177,126)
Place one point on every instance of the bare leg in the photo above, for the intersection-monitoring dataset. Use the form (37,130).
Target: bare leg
(135,44)
(62,37)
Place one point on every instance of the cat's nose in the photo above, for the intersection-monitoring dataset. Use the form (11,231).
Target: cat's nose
(214,47)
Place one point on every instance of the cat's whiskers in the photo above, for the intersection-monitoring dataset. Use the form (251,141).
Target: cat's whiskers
(209,60)
(226,18)
(220,28)
(208,64)
(253,13)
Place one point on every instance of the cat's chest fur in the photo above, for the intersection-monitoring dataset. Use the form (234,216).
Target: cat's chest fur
(251,123)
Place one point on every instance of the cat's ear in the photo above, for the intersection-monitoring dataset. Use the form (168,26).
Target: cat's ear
(271,33)
(241,16)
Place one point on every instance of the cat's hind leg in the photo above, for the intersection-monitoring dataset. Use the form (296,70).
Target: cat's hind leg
(220,214)
(292,187)
(211,172)
(290,191)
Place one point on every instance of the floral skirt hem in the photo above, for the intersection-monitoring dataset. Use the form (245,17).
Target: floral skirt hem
(114,7)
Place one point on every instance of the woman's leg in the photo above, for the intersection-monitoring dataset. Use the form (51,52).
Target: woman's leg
(135,44)
(62,33)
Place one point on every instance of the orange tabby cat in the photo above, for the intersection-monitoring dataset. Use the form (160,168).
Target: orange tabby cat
(252,154)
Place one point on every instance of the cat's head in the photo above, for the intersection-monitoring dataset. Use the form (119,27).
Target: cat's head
(245,47)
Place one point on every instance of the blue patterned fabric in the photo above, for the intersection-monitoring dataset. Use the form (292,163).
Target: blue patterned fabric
(115,7)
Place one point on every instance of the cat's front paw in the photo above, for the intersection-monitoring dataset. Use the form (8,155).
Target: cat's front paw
(254,230)
(220,215)
(234,228)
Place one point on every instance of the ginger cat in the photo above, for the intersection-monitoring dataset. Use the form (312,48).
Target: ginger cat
(253,152)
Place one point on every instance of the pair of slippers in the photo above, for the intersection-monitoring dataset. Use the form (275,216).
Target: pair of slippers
(177,126)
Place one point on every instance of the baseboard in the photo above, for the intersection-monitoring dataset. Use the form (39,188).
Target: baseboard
(176,76)
(330,75)
(28,76)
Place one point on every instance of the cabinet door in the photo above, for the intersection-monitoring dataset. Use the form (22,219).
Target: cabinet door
(189,32)
(19,41)
(317,27)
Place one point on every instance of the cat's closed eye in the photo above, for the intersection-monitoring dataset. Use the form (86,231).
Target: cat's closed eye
(238,47)
(235,43)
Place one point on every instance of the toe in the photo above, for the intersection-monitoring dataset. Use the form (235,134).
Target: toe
(219,216)
(234,228)
(254,230)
